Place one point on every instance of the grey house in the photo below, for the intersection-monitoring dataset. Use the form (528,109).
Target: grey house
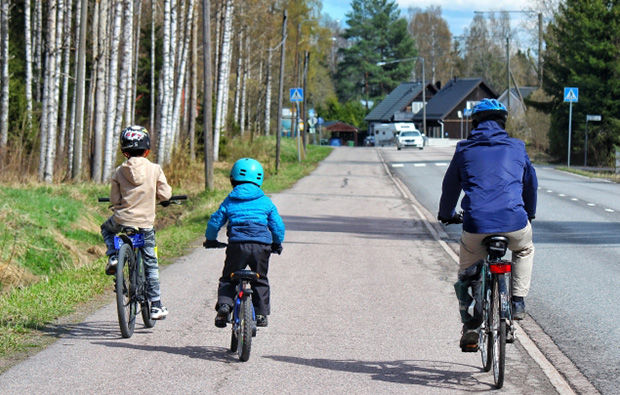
(400,105)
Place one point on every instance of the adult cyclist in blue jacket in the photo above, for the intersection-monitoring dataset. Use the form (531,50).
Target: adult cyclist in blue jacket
(255,230)
(500,187)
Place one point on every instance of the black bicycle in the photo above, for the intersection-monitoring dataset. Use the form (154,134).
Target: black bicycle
(130,278)
(497,325)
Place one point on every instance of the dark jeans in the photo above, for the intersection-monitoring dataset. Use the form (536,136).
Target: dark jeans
(238,257)
(149,255)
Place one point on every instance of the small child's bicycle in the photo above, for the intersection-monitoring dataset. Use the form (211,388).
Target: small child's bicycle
(130,278)
(243,317)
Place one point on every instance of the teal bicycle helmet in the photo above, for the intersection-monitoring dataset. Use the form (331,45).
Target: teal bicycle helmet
(489,109)
(247,170)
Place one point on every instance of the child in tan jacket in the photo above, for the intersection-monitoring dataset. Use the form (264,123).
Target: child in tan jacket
(137,186)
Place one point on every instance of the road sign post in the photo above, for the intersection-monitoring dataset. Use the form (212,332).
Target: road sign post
(296,96)
(570,95)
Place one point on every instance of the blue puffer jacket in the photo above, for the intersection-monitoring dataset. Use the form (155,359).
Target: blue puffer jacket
(251,216)
(498,179)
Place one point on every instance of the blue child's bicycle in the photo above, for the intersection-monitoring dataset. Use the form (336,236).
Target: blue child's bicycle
(242,317)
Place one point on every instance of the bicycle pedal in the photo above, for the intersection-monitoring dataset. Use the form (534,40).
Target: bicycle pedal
(470,348)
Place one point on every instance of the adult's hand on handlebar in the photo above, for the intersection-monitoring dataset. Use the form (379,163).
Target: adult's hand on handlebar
(165,203)
(213,244)
(457,218)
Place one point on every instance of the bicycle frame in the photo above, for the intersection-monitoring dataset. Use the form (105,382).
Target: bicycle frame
(243,292)
(135,239)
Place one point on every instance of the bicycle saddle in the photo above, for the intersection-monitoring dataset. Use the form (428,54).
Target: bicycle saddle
(496,245)
(244,275)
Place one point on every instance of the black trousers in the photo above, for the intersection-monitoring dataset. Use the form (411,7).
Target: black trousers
(238,257)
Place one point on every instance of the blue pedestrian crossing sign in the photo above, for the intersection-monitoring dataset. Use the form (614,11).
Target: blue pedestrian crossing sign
(571,95)
(297,94)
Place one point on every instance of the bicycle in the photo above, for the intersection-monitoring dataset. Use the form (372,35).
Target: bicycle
(242,317)
(497,326)
(130,277)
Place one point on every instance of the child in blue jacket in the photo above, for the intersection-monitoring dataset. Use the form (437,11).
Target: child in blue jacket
(255,230)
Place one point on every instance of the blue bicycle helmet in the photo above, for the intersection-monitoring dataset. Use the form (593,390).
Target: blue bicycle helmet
(247,170)
(489,109)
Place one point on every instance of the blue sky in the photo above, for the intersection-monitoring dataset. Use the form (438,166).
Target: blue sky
(458,13)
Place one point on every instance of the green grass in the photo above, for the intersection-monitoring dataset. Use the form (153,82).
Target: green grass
(50,241)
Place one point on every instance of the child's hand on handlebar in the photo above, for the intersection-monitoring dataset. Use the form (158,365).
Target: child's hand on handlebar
(276,248)
(213,244)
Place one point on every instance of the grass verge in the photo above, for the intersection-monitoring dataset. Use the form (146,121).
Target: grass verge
(50,241)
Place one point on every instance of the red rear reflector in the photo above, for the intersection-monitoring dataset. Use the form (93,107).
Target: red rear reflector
(241,294)
(500,268)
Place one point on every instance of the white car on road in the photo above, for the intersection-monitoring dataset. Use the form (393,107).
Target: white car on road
(411,138)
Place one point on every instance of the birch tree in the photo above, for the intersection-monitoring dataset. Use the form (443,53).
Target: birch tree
(67,17)
(28,51)
(165,92)
(208,95)
(112,92)
(100,103)
(222,85)
(126,66)
(4,64)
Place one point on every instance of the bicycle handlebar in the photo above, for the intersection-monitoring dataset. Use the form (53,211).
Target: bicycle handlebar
(172,198)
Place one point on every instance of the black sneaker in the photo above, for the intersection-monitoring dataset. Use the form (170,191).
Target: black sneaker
(518,308)
(222,316)
(110,268)
(261,320)
(469,340)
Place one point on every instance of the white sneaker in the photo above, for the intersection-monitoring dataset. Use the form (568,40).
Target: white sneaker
(158,313)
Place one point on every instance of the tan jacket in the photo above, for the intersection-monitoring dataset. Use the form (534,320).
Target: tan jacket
(137,186)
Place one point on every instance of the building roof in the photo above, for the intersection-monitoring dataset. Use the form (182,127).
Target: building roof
(450,96)
(339,126)
(394,102)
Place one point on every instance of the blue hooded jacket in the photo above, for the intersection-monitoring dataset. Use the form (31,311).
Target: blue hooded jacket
(251,215)
(498,179)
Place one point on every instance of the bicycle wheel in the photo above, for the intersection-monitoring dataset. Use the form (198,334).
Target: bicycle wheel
(498,333)
(126,304)
(486,341)
(246,322)
(145,305)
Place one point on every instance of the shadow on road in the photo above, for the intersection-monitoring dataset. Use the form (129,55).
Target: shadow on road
(217,354)
(576,232)
(425,373)
(374,227)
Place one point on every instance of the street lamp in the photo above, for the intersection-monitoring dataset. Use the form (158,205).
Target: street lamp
(421,59)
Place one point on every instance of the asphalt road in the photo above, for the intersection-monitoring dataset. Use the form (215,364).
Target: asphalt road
(576,272)
(362,302)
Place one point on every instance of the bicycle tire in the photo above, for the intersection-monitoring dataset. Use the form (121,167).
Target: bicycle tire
(145,305)
(485,341)
(246,322)
(126,304)
(499,336)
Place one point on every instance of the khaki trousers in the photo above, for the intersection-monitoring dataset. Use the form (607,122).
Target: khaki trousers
(520,243)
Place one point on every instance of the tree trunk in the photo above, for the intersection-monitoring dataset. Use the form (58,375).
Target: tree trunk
(4,63)
(194,92)
(165,91)
(109,157)
(126,63)
(80,91)
(28,50)
(100,38)
(222,85)
(267,119)
(66,64)
(208,95)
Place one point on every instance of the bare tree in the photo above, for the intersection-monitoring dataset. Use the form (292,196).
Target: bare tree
(4,77)
(208,95)
(66,64)
(222,85)
(166,76)
(28,50)
(100,47)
